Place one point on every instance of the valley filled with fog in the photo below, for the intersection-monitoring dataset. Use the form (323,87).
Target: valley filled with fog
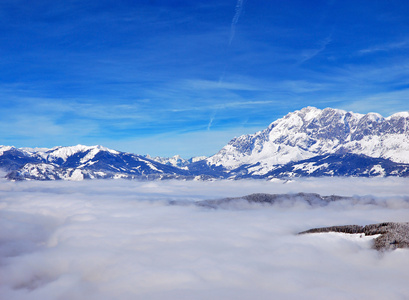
(120,239)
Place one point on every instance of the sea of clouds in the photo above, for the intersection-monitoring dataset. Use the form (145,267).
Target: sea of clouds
(117,239)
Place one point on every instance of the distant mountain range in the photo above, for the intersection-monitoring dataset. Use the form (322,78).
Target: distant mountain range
(81,162)
(175,161)
(308,142)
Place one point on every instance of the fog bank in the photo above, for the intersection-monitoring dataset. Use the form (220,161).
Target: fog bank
(122,240)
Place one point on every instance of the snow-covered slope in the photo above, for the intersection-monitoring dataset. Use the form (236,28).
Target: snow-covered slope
(308,142)
(81,162)
(312,132)
(176,161)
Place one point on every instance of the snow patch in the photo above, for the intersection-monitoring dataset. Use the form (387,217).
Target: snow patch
(5,148)
(76,175)
(377,169)
(365,241)
(402,114)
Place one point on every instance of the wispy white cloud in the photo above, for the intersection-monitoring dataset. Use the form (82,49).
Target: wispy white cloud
(45,131)
(209,85)
(237,14)
(386,103)
(211,121)
(221,106)
(190,142)
(89,108)
(302,86)
(385,47)
(311,53)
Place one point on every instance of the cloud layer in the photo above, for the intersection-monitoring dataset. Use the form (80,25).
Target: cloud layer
(122,240)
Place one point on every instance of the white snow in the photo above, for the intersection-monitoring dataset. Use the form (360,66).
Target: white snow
(377,169)
(76,175)
(65,152)
(197,158)
(176,161)
(5,148)
(402,114)
(39,170)
(309,167)
(153,167)
(365,241)
(91,154)
(309,132)
(375,117)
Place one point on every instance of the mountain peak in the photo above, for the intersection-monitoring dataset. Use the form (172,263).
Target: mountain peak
(309,110)
(374,117)
(309,132)
(402,114)
(306,113)
(64,152)
(306,142)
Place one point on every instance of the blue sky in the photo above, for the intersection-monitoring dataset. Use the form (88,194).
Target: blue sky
(184,77)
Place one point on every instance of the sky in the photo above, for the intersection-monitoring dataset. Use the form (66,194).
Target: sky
(121,239)
(184,77)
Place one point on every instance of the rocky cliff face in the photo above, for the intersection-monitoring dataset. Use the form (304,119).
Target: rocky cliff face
(312,132)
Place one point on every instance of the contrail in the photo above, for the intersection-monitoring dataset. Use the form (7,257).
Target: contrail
(210,124)
(239,9)
(211,121)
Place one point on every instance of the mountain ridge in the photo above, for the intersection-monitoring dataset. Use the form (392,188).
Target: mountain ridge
(80,162)
(310,132)
(307,142)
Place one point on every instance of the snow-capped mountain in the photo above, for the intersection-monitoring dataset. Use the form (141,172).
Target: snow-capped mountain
(308,142)
(81,162)
(311,132)
(348,164)
(176,161)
